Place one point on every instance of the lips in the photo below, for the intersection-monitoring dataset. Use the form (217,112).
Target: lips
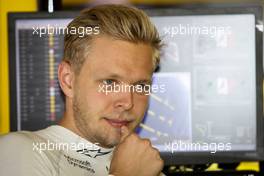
(117,123)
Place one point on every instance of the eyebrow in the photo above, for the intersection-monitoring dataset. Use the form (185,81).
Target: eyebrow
(116,76)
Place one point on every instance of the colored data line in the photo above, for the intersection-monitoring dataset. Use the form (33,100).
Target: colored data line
(51,59)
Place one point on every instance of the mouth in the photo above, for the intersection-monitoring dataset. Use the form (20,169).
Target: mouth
(117,123)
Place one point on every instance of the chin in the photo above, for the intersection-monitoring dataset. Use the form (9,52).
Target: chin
(110,144)
(110,140)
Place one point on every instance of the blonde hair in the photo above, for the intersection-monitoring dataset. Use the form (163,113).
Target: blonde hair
(117,21)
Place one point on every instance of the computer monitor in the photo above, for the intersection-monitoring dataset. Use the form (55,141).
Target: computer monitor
(209,104)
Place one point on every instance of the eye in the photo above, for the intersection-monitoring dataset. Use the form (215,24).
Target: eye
(141,85)
(143,88)
(108,81)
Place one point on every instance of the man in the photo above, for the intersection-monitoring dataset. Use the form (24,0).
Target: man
(123,50)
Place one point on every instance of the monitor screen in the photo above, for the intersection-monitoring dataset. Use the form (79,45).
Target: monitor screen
(205,97)
(208,74)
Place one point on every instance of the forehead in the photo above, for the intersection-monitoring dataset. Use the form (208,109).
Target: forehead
(130,61)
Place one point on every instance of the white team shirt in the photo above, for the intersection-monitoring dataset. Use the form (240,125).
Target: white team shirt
(54,151)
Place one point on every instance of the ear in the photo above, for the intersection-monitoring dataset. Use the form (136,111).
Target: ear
(66,78)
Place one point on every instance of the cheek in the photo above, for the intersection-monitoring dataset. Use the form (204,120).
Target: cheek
(92,100)
(141,104)
(98,102)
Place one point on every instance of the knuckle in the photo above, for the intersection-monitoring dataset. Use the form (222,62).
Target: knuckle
(156,150)
(147,142)
(156,154)
(161,163)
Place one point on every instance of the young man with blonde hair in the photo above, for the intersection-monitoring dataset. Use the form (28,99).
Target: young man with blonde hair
(95,136)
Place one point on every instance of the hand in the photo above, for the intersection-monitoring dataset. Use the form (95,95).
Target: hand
(135,156)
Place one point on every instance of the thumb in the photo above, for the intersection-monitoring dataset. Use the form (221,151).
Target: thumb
(124,133)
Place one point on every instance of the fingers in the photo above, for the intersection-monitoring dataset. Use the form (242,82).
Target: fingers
(124,133)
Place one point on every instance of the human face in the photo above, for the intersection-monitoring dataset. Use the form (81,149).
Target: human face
(99,116)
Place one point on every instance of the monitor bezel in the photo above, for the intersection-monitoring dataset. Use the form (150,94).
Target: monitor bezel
(176,158)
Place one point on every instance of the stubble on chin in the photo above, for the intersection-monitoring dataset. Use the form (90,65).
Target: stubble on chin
(105,136)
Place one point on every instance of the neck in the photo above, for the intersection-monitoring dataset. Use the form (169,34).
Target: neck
(67,121)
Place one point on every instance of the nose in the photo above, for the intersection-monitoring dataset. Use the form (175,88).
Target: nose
(124,100)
